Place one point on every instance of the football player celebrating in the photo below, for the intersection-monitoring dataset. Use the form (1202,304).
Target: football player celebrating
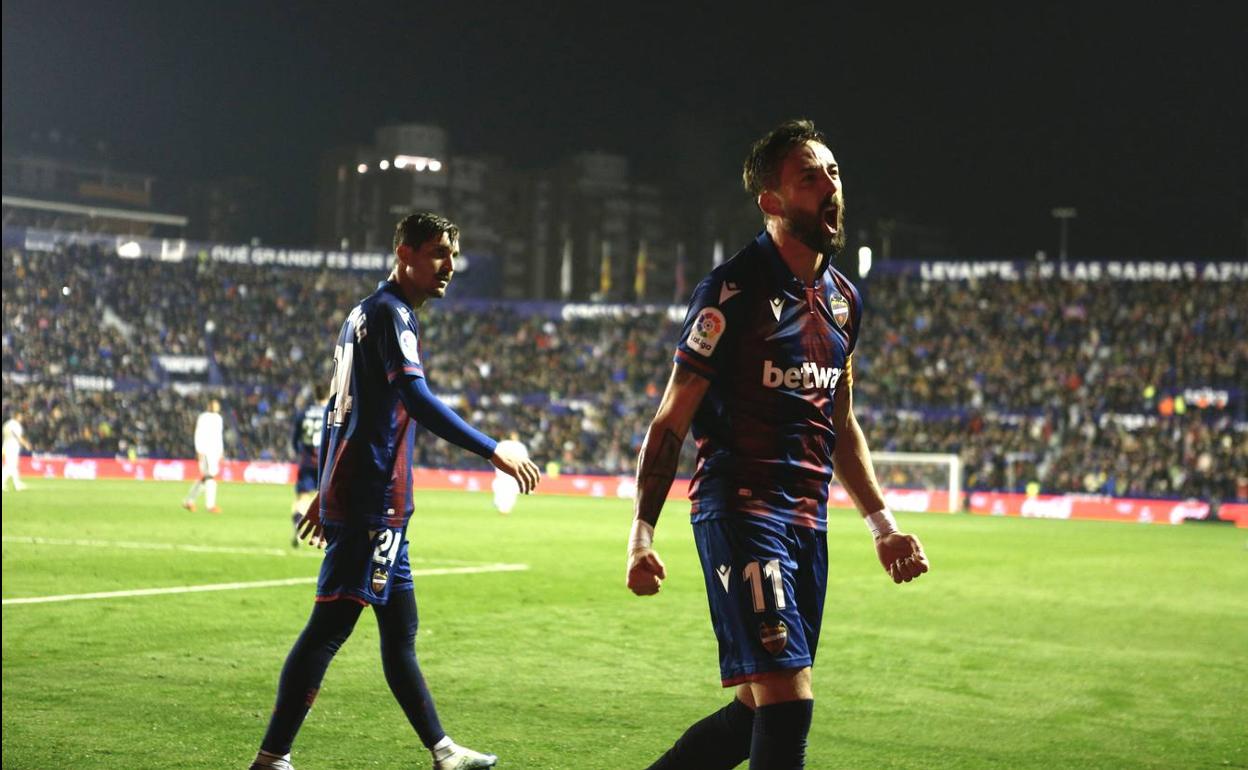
(764,374)
(377,398)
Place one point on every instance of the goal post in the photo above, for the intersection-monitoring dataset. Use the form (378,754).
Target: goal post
(920,481)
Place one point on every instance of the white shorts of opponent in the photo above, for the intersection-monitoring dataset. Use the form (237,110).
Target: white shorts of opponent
(209,465)
(506,491)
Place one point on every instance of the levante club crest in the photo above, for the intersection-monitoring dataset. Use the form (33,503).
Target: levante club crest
(379,580)
(840,309)
(774,638)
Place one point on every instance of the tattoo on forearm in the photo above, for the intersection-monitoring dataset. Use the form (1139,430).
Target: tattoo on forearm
(655,474)
(683,376)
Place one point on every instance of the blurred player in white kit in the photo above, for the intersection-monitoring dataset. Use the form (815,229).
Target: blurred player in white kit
(14,442)
(507,489)
(209,448)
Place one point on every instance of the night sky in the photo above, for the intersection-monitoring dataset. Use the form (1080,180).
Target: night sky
(978,119)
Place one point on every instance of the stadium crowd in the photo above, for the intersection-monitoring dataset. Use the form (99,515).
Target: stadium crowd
(1058,383)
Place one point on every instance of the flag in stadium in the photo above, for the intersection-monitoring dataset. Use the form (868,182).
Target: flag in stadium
(604,278)
(639,278)
(679,283)
(565,270)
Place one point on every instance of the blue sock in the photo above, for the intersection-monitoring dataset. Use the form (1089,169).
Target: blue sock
(330,625)
(717,742)
(397,621)
(779,741)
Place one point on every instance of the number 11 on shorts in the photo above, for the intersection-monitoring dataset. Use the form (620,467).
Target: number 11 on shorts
(754,574)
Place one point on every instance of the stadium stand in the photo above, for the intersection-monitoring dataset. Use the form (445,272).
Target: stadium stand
(1071,386)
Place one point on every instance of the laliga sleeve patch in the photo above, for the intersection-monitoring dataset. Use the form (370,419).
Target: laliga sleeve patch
(407,342)
(708,327)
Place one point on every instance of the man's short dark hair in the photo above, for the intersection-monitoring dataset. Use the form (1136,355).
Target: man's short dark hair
(762,166)
(415,229)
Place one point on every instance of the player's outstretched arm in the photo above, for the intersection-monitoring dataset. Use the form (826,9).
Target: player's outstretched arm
(516,464)
(656,469)
(900,554)
(444,422)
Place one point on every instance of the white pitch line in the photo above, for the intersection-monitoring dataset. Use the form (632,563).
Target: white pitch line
(129,544)
(189,547)
(256,584)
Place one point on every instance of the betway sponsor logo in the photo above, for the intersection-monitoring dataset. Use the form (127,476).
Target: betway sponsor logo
(808,376)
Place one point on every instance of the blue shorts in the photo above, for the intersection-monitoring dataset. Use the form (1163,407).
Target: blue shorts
(305,482)
(765,582)
(362,564)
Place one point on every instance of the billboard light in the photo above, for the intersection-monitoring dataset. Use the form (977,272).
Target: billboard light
(417,163)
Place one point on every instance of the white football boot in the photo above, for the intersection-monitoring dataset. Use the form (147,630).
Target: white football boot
(464,759)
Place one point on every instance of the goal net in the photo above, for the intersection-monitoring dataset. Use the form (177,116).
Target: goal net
(918,482)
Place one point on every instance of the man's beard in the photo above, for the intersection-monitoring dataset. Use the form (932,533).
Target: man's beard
(808,228)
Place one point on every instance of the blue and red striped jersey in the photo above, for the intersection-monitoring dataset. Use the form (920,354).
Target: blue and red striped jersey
(775,352)
(366,451)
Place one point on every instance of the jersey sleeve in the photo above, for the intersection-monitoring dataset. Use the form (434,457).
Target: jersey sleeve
(710,327)
(398,342)
(441,419)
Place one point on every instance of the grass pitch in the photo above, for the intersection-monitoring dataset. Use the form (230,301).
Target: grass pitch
(1032,644)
